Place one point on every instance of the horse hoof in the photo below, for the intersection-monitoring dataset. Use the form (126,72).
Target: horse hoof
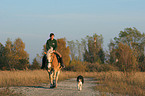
(53,86)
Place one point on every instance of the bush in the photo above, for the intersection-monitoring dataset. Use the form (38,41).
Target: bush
(108,67)
(76,66)
(96,67)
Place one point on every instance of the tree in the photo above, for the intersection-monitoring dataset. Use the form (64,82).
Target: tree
(76,50)
(127,60)
(9,54)
(35,64)
(133,38)
(21,56)
(16,56)
(2,57)
(93,51)
(72,47)
(64,51)
(101,55)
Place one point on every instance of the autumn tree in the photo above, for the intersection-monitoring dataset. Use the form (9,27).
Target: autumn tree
(64,50)
(112,54)
(134,39)
(16,56)
(9,54)
(127,60)
(21,56)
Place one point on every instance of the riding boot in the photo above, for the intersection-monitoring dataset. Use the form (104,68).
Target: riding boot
(61,62)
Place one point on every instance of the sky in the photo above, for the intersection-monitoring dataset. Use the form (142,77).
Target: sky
(34,20)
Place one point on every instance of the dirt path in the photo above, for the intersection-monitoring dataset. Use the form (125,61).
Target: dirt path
(65,88)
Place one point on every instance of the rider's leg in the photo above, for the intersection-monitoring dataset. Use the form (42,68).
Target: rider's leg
(44,60)
(60,59)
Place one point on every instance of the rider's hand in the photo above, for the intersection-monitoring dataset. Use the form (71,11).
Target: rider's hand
(53,50)
(45,53)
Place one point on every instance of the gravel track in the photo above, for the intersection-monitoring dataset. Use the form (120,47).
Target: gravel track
(65,88)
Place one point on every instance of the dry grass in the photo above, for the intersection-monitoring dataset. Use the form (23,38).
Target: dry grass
(113,82)
(120,83)
(33,77)
(22,78)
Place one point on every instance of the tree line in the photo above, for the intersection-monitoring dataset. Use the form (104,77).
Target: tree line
(13,56)
(126,53)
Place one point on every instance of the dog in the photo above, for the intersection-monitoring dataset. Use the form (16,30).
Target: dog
(80,81)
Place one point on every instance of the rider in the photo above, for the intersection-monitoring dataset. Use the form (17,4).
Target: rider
(53,43)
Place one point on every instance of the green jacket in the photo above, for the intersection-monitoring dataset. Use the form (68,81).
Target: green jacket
(51,43)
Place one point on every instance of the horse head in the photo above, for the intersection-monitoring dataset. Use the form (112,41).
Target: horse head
(49,52)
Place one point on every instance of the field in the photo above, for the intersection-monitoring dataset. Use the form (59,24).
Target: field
(131,84)
(113,82)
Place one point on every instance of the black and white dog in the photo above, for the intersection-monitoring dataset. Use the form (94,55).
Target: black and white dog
(80,81)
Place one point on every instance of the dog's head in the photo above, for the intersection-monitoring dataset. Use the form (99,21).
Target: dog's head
(80,79)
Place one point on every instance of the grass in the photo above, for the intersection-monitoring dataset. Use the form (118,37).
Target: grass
(117,82)
(22,78)
(112,82)
(33,77)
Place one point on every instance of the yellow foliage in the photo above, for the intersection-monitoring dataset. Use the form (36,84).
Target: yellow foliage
(64,51)
(126,56)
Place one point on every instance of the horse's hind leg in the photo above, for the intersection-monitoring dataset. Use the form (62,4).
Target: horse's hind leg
(55,78)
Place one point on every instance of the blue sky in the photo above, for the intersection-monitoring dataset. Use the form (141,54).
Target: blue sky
(33,20)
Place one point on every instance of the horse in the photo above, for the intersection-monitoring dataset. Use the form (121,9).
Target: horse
(52,66)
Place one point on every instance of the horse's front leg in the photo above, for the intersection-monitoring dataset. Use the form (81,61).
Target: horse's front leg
(51,79)
(57,74)
(54,79)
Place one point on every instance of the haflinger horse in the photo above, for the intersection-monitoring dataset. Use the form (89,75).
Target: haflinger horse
(53,68)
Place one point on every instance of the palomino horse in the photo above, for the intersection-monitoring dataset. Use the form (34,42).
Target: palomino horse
(53,68)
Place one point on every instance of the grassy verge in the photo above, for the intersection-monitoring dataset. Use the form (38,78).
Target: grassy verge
(112,82)
(33,77)
(22,78)
(117,82)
